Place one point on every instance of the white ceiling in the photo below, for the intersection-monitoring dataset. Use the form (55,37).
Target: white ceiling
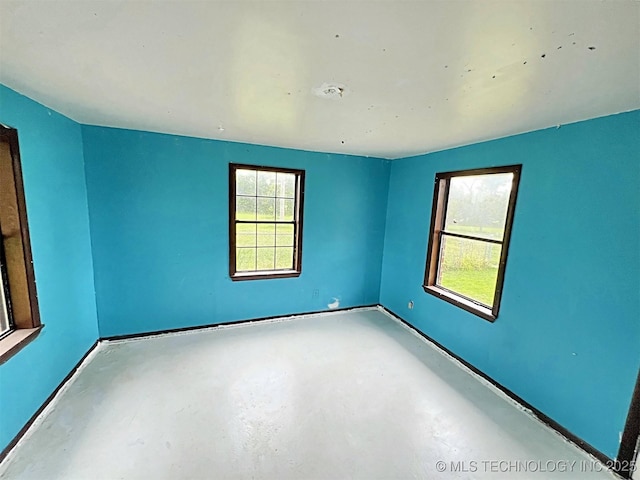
(418,76)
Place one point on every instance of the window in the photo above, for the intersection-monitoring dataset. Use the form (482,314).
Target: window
(469,237)
(19,317)
(265,222)
(6,319)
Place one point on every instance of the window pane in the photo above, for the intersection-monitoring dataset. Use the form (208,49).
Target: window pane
(246,228)
(266,229)
(284,235)
(478,204)
(284,229)
(266,208)
(266,235)
(245,234)
(284,240)
(266,240)
(245,239)
(245,259)
(4,314)
(284,258)
(266,259)
(267,184)
(245,208)
(245,182)
(284,209)
(285,185)
(469,267)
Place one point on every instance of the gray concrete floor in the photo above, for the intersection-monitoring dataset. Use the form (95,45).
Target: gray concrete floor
(345,395)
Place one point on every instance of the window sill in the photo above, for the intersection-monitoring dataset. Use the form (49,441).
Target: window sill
(264,275)
(461,302)
(16,341)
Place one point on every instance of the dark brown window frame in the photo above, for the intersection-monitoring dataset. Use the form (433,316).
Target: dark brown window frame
(14,226)
(297,222)
(438,216)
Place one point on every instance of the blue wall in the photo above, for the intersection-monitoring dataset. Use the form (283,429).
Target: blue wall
(567,339)
(568,332)
(54,183)
(159,222)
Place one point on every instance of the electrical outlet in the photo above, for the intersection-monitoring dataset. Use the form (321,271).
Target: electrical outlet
(410,304)
(316,293)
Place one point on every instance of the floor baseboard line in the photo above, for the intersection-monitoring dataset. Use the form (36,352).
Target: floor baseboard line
(42,412)
(607,462)
(234,323)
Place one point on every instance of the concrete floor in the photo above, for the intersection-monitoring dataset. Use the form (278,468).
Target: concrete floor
(345,395)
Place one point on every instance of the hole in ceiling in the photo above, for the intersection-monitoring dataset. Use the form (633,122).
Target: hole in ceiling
(331,90)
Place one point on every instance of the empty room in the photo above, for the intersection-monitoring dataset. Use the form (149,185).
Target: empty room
(319,239)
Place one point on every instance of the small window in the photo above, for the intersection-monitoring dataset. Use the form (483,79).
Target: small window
(469,238)
(19,315)
(265,222)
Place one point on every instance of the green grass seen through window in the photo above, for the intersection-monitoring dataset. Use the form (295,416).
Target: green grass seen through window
(478,284)
(263,246)
(470,268)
